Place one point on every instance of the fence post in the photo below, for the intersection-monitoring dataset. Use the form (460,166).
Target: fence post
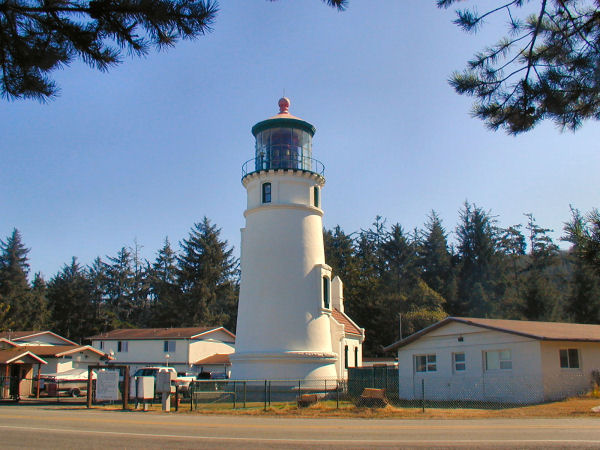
(269,393)
(423,394)
(126,388)
(245,394)
(192,386)
(265,395)
(234,394)
(337,395)
(89,388)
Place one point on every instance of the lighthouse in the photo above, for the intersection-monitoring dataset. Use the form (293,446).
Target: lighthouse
(284,325)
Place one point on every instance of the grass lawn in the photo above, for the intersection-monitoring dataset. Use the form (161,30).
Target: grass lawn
(573,407)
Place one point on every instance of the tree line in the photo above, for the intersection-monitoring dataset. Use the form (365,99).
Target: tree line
(395,281)
(196,285)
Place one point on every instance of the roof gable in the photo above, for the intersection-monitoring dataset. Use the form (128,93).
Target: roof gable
(56,351)
(349,326)
(19,356)
(38,337)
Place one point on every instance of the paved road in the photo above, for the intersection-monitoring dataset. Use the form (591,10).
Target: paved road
(49,427)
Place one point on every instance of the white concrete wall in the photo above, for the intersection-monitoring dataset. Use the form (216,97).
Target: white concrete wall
(282,261)
(522,383)
(202,349)
(562,382)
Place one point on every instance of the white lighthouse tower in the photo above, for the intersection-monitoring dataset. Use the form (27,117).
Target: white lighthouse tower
(285,307)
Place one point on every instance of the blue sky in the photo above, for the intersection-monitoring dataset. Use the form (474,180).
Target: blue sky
(147,149)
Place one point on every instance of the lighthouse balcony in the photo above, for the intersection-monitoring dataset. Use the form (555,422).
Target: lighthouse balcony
(283,162)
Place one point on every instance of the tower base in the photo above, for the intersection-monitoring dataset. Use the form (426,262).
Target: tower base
(304,366)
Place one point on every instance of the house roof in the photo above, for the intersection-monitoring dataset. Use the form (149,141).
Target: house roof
(217,358)
(349,326)
(21,335)
(13,355)
(60,350)
(543,331)
(158,333)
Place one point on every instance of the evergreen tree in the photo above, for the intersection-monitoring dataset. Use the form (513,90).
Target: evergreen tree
(477,249)
(69,296)
(436,259)
(339,254)
(546,68)
(39,314)
(584,233)
(208,279)
(104,318)
(15,292)
(541,298)
(164,290)
(120,287)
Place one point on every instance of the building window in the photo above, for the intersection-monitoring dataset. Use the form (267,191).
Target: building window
(355,356)
(101,345)
(266,193)
(122,346)
(498,360)
(345,356)
(169,346)
(326,292)
(569,358)
(425,363)
(316,196)
(459,362)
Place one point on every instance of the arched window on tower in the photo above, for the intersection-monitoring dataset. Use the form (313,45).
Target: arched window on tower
(266,193)
(326,293)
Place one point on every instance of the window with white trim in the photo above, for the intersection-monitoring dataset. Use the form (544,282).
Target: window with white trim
(498,360)
(122,346)
(459,362)
(168,346)
(569,358)
(101,345)
(425,363)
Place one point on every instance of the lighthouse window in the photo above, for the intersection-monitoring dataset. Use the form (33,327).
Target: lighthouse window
(266,193)
(326,293)
(316,196)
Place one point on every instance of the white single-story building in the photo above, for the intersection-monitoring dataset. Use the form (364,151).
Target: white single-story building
(512,361)
(176,347)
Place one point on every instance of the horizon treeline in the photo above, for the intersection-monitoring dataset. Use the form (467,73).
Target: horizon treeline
(396,282)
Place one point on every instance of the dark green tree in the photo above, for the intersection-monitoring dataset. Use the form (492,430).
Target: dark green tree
(436,259)
(541,298)
(103,316)
(119,287)
(164,290)
(40,36)
(545,68)
(208,279)
(478,243)
(15,291)
(584,233)
(39,314)
(69,296)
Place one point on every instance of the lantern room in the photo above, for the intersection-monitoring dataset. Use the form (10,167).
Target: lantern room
(283,142)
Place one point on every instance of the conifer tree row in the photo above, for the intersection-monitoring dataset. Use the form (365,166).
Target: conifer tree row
(396,282)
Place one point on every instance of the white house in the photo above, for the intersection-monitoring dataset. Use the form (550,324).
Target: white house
(288,325)
(177,347)
(493,360)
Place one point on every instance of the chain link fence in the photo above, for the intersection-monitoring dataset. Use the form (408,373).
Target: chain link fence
(364,387)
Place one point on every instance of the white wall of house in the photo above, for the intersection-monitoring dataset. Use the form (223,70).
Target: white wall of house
(560,382)
(522,382)
(79,360)
(151,352)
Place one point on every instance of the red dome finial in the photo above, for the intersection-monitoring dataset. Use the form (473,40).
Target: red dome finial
(284,105)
